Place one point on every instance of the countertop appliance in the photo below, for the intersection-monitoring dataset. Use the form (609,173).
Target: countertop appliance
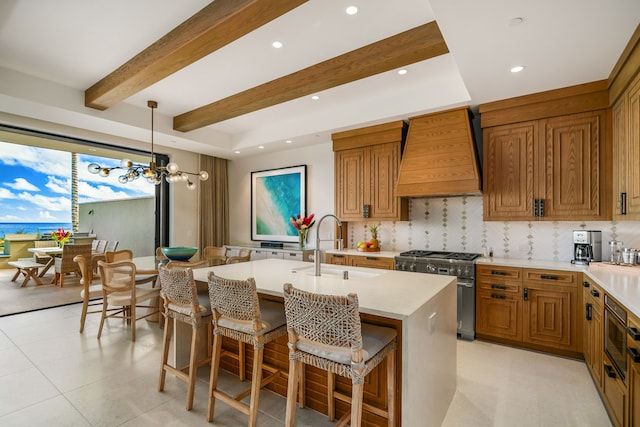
(458,264)
(615,337)
(587,246)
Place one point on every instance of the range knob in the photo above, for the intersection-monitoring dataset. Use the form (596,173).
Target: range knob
(412,267)
(431,268)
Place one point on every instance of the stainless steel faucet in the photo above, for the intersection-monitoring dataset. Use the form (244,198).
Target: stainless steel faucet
(316,251)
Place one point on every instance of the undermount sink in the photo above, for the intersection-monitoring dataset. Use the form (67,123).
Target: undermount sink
(336,272)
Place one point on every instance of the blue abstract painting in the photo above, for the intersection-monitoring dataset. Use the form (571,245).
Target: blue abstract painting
(276,195)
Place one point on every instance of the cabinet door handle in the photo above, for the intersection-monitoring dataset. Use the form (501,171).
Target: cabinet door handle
(337,256)
(623,203)
(589,308)
(634,354)
(541,207)
(526,294)
(585,284)
(633,333)
(498,273)
(611,373)
(371,258)
(501,287)
(498,296)
(595,293)
(549,277)
(535,207)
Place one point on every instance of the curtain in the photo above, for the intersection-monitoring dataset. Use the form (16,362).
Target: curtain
(214,203)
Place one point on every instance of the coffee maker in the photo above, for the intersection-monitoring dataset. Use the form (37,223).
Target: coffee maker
(587,246)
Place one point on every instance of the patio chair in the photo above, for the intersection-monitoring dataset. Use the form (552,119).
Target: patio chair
(65,263)
(244,255)
(121,255)
(215,255)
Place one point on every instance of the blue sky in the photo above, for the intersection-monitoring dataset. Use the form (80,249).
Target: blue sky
(35,184)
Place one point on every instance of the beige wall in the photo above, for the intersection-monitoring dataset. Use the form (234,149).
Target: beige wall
(319,161)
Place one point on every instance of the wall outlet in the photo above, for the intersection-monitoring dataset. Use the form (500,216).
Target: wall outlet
(432,323)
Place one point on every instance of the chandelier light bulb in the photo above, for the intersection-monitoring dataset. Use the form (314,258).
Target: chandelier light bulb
(126,163)
(172,167)
(104,172)
(203,175)
(191,185)
(123,179)
(94,168)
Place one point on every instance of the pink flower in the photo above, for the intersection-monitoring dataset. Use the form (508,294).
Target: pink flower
(302,223)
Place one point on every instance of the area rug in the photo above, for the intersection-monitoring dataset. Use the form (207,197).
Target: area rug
(14,299)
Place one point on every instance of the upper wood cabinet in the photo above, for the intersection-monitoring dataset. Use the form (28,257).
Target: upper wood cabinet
(626,153)
(366,169)
(548,169)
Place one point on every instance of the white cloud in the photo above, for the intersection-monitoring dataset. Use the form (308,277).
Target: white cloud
(6,194)
(48,203)
(9,218)
(59,186)
(42,160)
(46,215)
(21,184)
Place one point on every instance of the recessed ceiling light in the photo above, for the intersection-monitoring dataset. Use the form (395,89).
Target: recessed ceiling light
(516,21)
(517,69)
(288,141)
(351,10)
(237,152)
(402,72)
(315,97)
(277,44)
(261,147)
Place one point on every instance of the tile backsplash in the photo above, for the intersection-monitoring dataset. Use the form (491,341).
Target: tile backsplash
(455,224)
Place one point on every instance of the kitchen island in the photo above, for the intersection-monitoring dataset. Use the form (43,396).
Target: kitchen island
(422,307)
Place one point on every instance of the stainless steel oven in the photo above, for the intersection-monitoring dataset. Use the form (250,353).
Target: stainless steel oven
(458,264)
(615,336)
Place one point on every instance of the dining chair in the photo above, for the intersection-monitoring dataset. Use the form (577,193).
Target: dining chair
(111,246)
(325,331)
(240,315)
(121,255)
(183,303)
(188,264)
(90,291)
(65,264)
(215,255)
(244,255)
(119,290)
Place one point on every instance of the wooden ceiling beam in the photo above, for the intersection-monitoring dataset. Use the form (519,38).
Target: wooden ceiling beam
(214,26)
(418,44)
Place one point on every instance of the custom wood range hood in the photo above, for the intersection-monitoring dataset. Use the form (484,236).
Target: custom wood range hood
(440,156)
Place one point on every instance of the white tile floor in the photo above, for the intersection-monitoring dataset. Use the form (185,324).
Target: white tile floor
(52,375)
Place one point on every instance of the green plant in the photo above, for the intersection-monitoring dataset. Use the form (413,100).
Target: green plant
(374,231)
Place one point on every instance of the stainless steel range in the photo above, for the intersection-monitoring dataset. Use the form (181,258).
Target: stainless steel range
(458,264)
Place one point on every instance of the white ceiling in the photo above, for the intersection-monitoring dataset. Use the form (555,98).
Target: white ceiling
(52,51)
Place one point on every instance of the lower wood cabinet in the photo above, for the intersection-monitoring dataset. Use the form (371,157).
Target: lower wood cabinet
(633,369)
(531,308)
(614,393)
(593,331)
(370,261)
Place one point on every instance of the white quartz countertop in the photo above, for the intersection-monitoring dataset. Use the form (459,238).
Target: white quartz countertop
(381,254)
(387,293)
(621,282)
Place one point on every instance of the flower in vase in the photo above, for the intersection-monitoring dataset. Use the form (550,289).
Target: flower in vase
(60,236)
(302,224)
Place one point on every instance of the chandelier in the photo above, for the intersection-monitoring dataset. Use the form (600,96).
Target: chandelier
(153,173)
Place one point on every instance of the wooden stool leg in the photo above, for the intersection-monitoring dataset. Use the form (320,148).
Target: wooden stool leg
(356,404)
(193,368)
(391,389)
(292,388)
(213,380)
(168,329)
(331,403)
(242,360)
(256,380)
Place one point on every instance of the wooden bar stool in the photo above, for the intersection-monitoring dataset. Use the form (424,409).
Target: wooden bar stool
(183,303)
(239,314)
(325,331)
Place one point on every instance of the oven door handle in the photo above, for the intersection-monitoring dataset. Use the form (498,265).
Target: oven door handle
(465,284)
(634,354)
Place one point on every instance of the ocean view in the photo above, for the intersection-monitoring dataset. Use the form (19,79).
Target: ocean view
(31,227)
